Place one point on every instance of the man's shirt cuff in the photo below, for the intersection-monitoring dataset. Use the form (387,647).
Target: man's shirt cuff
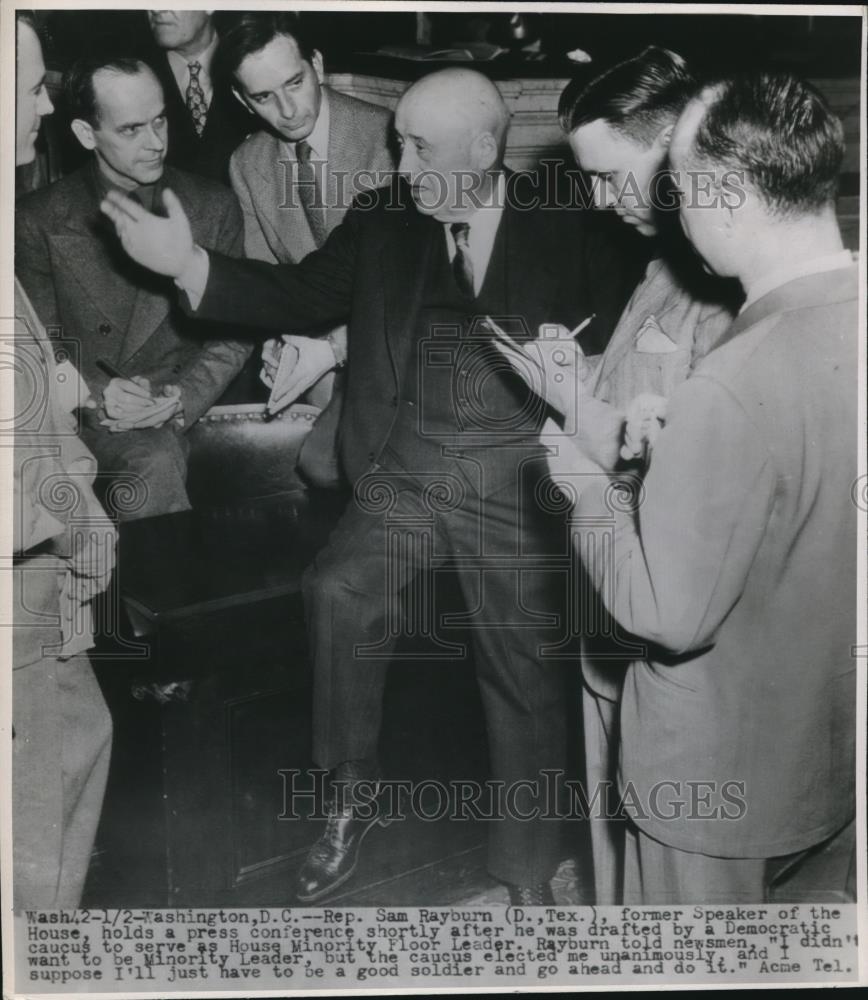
(195,277)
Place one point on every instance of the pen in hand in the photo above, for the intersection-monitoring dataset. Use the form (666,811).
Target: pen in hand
(577,330)
(113,371)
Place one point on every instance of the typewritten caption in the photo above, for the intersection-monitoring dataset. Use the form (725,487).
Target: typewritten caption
(294,948)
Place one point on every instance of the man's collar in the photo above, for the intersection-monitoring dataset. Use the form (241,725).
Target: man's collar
(146,194)
(487,213)
(495,200)
(180,63)
(318,140)
(783,275)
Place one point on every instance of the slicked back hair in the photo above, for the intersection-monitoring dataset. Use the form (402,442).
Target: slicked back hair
(780,132)
(638,97)
(251,32)
(78,82)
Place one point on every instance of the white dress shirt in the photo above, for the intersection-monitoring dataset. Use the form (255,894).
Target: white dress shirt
(483,229)
(180,67)
(318,140)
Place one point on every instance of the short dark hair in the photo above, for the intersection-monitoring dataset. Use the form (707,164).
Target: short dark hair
(78,89)
(779,131)
(638,97)
(251,32)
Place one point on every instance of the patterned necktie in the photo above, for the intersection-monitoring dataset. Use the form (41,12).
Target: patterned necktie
(462,265)
(196,98)
(310,192)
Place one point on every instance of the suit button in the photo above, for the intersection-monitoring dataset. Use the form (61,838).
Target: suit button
(176,369)
(105,329)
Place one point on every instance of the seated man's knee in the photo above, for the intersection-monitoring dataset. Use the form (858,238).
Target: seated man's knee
(145,473)
(326,582)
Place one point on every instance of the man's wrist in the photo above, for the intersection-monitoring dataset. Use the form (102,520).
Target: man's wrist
(193,279)
(338,349)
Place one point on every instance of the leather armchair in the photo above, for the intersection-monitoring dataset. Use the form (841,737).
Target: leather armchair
(237,453)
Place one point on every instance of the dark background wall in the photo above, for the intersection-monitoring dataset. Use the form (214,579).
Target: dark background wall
(812,45)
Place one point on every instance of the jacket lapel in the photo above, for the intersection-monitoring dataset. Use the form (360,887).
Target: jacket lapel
(622,339)
(86,260)
(405,260)
(150,309)
(345,144)
(290,227)
(531,271)
(93,256)
(152,298)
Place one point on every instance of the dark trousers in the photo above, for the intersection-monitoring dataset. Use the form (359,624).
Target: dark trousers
(395,532)
(142,473)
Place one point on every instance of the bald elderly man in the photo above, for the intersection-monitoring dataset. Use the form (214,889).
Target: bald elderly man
(441,441)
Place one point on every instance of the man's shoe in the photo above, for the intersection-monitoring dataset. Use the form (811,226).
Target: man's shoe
(333,858)
(531,895)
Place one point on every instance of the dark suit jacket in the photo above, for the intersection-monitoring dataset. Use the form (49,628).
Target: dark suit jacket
(87,292)
(226,127)
(371,272)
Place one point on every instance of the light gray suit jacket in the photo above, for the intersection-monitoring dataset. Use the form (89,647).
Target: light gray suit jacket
(276,228)
(739,570)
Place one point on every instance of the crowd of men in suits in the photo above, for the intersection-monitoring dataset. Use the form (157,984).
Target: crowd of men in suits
(716,396)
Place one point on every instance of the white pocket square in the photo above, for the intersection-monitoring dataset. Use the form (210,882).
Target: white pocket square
(652,340)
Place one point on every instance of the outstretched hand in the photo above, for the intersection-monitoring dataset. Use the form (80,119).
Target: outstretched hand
(163,245)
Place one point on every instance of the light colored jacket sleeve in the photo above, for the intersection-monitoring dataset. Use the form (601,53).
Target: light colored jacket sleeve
(678,563)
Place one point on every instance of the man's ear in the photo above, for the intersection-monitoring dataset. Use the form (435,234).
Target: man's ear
(236,93)
(318,65)
(665,137)
(486,150)
(83,131)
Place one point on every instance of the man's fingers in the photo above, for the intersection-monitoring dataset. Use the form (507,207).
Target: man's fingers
(173,205)
(288,393)
(118,207)
(125,408)
(154,417)
(132,396)
(116,215)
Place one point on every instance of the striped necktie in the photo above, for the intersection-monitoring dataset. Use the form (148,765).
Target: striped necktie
(462,265)
(310,192)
